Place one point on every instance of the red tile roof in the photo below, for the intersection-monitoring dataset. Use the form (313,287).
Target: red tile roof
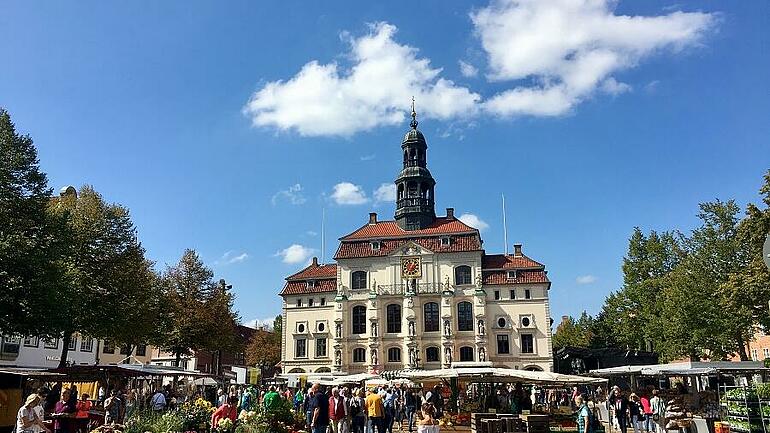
(315,271)
(323,276)
(300,287)
(522,277)
(389,229)
(502,261)
(457,243)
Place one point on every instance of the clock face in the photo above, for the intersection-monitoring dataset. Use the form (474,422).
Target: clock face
(410,267)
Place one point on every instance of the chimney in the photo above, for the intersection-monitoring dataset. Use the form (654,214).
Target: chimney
(315,261)
(372,217)
(450,213)
(517,250)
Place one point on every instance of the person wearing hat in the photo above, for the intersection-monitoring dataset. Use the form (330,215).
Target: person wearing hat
(27,419)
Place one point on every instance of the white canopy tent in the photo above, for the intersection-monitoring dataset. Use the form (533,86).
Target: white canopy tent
(497,375)
(683,369)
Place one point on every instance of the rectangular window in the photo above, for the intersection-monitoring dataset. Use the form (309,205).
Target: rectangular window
(310,302)
(73,343)
(299,302)
(86,344)
(109,347)
(51,344)
(31,341)
(300,349)
(766,352)
(445,241)
(497,295)
(513,294)
(323,301)
(511,275)
(124,350)
(503,345)
(11,344)
(359,355)
(527,294)
(754,354)
(141,350)
(527,343)
(320,348)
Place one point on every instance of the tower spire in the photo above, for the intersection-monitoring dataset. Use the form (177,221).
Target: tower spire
(413,124)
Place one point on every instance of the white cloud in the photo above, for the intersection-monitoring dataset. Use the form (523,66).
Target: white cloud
(386,192)
(346,193)
(368,157)
(652,86)
(585,279)
(231,257)
(295,253)
(311,233)
(613,87)
(328,99)
(558,52)
(468,70)
(293,195)
(474,221)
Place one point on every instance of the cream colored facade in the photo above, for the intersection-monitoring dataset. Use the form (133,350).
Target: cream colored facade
(520,310)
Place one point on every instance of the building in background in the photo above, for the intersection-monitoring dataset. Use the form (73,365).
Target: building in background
(416,292)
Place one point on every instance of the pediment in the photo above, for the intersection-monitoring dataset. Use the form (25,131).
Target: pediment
(410,248)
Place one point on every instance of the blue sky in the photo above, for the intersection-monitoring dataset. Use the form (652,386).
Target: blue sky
(211,122)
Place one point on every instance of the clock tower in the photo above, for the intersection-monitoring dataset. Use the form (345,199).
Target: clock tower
(415,209)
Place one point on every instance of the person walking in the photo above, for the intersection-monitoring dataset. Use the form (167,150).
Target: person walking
(337,411)
(635,412)
(158,401)
(376,411)
(62,423)
(620,407)
(357,413)
(658,407)
(320,407)
(644,400)
(410,403)
(583,415)
(389,403)
(307,408)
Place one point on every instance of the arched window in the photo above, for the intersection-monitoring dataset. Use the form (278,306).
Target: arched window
(394,354)
(466,354)
(465,316)
(394,318)
(358,280)
(463,275)
(296,370)
(430,312)
(431,354)
(400,190)
(359,354)
(359,319)
(324,370)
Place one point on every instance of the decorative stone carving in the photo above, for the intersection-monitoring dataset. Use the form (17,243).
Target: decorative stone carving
(374,329)
(409,302)
(482,328)
(447,328)
(374,356)
(448,354)
(411,328)
(478,281)
(482,354)
(338,330)
(413,357)
(338,357)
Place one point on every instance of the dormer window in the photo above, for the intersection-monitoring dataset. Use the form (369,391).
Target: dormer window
(446,241)
(375,245)
(511,275)
(310,284)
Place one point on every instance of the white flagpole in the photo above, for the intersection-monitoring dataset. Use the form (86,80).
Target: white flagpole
(505,228)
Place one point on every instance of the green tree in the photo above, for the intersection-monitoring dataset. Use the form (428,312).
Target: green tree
(574,333)
(110,285)
(30,245)
(199,311)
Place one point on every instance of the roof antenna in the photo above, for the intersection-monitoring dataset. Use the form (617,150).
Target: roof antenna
(323,236)
(413,124)
(505,228)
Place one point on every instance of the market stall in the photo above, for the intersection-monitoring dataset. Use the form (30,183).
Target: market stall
(699,394)
(484,385)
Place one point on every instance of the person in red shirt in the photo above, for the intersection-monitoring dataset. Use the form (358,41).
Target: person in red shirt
(338,412)
(82,408)
(227,410)
(647,411)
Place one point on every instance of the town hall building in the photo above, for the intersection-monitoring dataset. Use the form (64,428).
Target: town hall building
(418,291)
